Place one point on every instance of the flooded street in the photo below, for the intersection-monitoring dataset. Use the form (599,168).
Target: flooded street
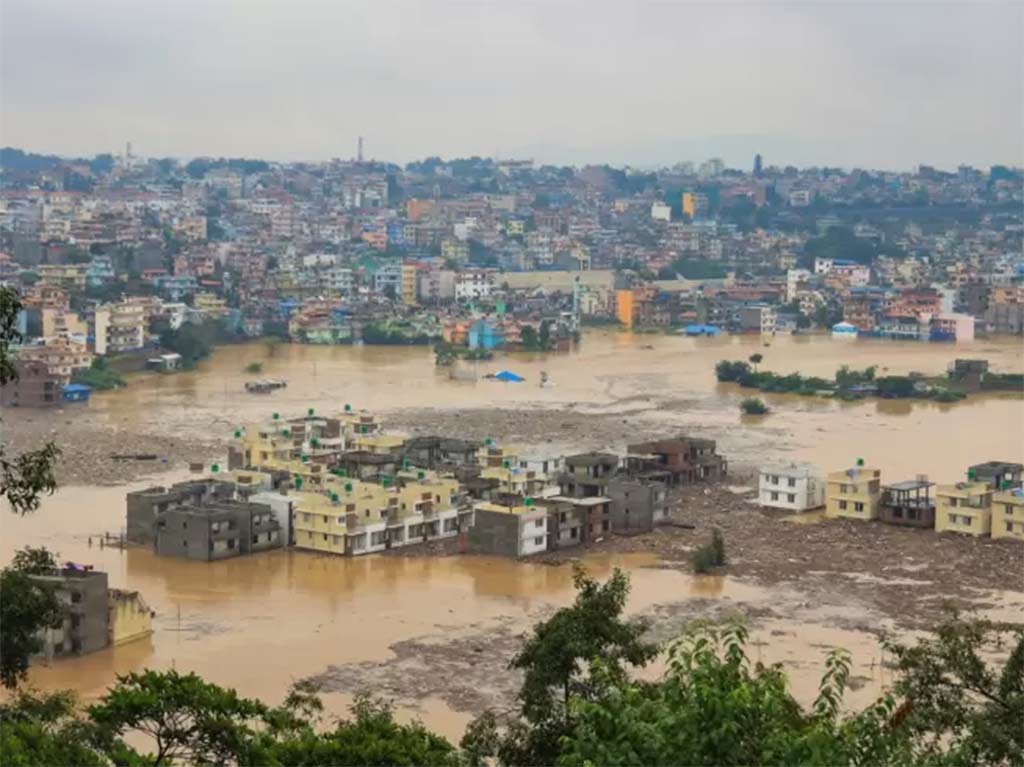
(401,624)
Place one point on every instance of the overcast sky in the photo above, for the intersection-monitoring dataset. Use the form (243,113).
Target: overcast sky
(879,85)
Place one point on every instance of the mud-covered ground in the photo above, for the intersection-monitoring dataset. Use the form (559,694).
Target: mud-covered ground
(87,444)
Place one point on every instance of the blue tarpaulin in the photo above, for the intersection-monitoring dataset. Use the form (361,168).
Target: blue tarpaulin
(509,377)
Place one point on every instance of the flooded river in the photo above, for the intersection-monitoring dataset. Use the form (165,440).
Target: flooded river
(262,622)
(664,379)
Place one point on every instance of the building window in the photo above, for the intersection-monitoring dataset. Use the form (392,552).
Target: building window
(325,536)
(791,498)
(792,482)
(775,496)
(538,541)
(842,505)
(1009,527)
(967,521)
(897,513)
(858,507)
(539,523)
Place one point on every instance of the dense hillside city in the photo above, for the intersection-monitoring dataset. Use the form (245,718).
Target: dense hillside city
(116,255)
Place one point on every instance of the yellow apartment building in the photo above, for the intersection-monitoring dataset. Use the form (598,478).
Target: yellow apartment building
(379,444)
(409,273)
(210,305)
(1008,514)
(128,617)
(353,517)
(500,456)
(965,507)
(853,493)
(518,481)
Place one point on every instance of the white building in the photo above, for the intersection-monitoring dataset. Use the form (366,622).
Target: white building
(661,212)
(799,198)
(473,284)
(120,328)
(793,487)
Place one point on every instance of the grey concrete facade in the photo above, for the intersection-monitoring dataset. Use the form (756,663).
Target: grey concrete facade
(82,595)
(144,507)
(494,532)
(637,505)
(217,530)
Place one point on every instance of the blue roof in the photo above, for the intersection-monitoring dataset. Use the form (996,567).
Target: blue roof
(709,330)
(77,388)
(509,377)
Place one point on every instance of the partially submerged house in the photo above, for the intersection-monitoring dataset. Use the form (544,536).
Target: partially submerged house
(1008,514)
(679,461)
(1000,475)
(511,531)
(908,504)
(965,507)
(93,616)
(854,493)
(792,486)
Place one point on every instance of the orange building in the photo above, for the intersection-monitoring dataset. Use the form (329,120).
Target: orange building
(417,209)
(624,307)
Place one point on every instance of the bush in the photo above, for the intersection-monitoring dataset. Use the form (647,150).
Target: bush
(711,555)
(948,395)
(254,367)
(753,406)
(98,376)
(732,371)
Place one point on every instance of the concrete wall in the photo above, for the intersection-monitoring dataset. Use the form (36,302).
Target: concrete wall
(636,506)
(495,532)
(129,617)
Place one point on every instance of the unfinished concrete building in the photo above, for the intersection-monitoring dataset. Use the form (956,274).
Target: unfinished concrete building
(217,530)
(144,507)
(637,505)
(82,596)
(587,474)
(680,461)
(440,453)
(908,504)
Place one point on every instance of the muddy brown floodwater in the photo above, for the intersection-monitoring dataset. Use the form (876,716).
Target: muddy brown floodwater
(435,634)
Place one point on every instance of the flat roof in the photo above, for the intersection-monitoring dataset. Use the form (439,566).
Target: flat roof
(594,500)
(909,484)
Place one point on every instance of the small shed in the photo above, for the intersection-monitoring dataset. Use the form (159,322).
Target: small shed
(73,392)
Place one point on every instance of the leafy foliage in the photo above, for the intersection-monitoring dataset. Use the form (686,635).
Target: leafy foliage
(43,729)
(26,608)
(964,709)
(710,555)
(99,376)
(555,661)
(714,708)
(24,477)
(753,406)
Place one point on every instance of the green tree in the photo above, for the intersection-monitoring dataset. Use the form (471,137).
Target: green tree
(753,406)
(34,561)
(26,476)
(555,663)
(964,708)
(713,707)
(44,729)
(188,720)
(371,737)
(26,608)
(755,360)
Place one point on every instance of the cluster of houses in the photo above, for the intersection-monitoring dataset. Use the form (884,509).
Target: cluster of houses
(989,503)
(340,484)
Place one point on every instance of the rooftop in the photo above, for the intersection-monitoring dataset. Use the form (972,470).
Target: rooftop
(909,485)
